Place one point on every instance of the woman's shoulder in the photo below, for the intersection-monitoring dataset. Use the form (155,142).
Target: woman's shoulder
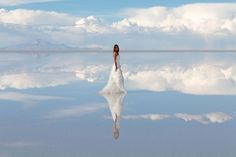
(115,53)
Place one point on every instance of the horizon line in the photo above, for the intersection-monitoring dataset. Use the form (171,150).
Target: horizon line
(110,50)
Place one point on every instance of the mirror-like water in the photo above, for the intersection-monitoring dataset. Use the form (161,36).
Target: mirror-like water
(177,105)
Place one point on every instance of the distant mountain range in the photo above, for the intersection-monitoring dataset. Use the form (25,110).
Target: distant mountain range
(41,45)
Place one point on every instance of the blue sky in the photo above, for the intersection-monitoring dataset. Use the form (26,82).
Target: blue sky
(90,7)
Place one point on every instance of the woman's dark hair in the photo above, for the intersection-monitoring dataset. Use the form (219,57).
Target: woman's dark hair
(116,46)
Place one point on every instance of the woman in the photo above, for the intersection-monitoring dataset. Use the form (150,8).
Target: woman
(116,80)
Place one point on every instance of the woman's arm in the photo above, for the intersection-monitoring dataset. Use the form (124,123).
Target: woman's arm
(115,56)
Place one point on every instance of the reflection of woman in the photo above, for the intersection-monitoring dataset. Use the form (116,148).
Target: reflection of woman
(115,102)
(115,83)
(116,127)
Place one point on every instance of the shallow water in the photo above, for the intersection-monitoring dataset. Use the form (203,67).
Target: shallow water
(177,105)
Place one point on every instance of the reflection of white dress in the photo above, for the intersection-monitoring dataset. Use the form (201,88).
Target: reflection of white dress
(115,83)
(115,102)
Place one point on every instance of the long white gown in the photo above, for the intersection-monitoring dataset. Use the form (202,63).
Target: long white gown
(114,92)
(115,83)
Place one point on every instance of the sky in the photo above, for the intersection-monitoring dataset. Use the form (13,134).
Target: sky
(82,7)
(154,24)
(45,97)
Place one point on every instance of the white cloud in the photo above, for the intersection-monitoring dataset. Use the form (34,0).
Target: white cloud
(200,79)
(203,18)
(209,77)
(19,2)
(208,118)
(214,117)
(27,80)
(38,29)
(218,117)
(30,72)
(90,73)
(74,111)
(26,98)
(36,17)
(154,117)
(191,117)
(192,26)
(92,24)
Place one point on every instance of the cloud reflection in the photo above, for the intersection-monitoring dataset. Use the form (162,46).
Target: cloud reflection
(74,111)
(153,117)
(208,118)
(198,79)
(31,72)
(214,117)
(26,98)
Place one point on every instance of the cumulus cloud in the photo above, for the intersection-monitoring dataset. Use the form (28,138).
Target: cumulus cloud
(214,117)
(192,26)
(92,24)
(36,17)
(200,79)
(19,2)
(198,18)
(37,29)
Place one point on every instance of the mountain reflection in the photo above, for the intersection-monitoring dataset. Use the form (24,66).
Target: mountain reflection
(116,103)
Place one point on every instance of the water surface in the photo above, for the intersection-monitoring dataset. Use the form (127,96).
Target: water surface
(177,105)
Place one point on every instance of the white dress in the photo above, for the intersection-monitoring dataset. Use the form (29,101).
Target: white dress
(115,83)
